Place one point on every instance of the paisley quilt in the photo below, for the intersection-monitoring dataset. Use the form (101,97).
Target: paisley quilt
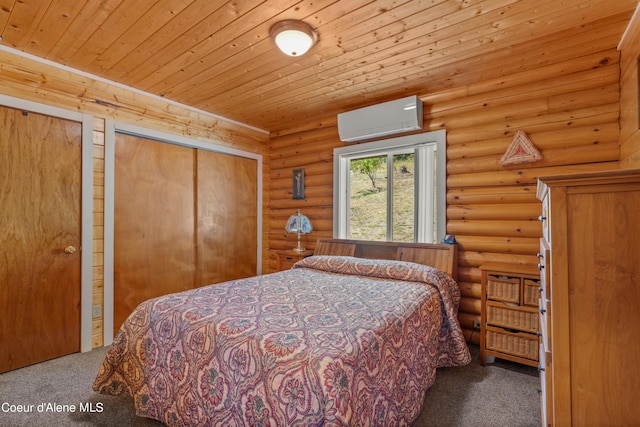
(335,341)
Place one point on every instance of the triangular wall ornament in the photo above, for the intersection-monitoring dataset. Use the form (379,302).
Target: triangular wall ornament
(521,150)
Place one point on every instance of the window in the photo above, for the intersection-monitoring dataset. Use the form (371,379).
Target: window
(391,190)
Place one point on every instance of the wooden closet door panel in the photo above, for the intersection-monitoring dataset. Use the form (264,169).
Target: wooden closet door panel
(40,215)
(154,250)
(227,217)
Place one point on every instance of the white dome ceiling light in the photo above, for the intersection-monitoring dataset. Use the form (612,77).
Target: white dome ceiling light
(294,38)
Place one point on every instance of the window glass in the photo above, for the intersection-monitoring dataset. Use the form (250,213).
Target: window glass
(368,198)
(402,196)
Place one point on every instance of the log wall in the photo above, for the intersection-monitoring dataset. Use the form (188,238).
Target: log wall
(630,95)
(566,99)
(23,78)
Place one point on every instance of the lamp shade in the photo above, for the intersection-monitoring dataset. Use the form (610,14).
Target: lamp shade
(299,223)
(294,38)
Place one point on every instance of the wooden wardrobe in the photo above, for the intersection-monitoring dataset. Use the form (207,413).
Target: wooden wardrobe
(590,299)
(183,218)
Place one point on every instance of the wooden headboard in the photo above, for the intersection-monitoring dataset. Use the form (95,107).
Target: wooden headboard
(443,257)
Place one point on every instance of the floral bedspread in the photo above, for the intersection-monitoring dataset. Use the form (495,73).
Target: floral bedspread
(336,341)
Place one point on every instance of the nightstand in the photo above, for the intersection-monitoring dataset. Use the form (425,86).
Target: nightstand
(509,326)
(287,258)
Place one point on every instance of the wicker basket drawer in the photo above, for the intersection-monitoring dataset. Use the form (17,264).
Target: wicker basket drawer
(531,292)
(520,344)
(503,288)
(521,318)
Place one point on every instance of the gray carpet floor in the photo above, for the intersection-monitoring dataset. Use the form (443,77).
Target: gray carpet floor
(58,393)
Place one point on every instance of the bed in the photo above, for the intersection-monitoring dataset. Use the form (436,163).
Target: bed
(341,339)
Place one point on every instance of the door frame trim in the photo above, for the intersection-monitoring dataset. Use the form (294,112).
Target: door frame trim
(86,210)
(111,128)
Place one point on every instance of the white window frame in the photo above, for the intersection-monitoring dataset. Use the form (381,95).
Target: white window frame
(425,146)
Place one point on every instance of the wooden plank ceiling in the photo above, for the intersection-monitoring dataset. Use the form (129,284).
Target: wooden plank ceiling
(217,56)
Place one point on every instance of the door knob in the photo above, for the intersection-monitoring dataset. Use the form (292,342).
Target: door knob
(69,249)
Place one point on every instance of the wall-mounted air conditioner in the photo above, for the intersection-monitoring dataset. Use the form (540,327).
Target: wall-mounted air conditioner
(388,118)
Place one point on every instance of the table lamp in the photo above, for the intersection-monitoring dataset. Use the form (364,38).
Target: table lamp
(300,224)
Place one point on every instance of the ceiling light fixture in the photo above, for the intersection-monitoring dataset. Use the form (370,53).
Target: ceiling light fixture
(294,38)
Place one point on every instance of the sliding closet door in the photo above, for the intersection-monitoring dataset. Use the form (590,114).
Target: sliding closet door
(154,224)
(183,217)
(227,217)
(40,216)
